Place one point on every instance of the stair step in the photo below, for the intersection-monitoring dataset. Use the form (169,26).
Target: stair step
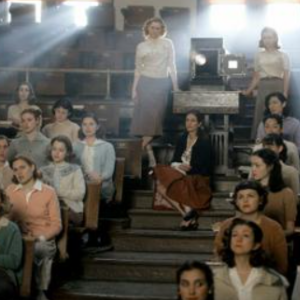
(170,241)
(136,267)
(153,219)
(94,290)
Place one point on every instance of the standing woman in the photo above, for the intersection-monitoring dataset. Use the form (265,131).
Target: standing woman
(24,99)
(155,61)
(245,275)
(282,205)
(36,210)
(271,73)
(185,184)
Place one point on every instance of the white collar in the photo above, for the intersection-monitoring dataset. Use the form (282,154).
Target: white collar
(36,187)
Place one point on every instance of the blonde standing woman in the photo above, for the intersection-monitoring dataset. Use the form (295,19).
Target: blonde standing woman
(155,61)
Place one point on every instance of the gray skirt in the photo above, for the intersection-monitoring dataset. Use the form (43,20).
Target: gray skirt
(149,112)
(266,86)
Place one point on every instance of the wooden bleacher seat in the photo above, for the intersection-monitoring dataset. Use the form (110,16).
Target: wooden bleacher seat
(8,82)
(49,84)
(62,240)
(135,16)
(25,289)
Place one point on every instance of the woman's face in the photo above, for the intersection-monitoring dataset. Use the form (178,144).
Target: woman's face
(193,285)
(61,114)
(276,106)
(269,39)
(247,201)
(155,30)
(89,127)
(242,240)
(259,169)
(191,123)
(29,123)
(23,93)
(58,152)
(272,126)
(23,171)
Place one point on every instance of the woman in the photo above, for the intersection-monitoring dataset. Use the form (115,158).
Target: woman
(155,60)
(282,207)
(271,73)
(32,142)
(195,281)
(35,208)
(185,184)
(96,156)
(250,199)
(62,111)
(245,276)
(276,103)
(66,178)
(24,99)
(11,253)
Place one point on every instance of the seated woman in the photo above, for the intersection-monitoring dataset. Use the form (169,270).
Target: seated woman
(6,173)
(96,156)
(36,210)
(245,275)
(31,143)
(195,281)
(62,111)
(250,199)
(11,253)
(281,206)
(276,103)
(66,178)
(185,184)
(24,99)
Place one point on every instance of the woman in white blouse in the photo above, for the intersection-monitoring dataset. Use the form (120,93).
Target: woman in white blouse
(271,73)
(155,61)
(245,275)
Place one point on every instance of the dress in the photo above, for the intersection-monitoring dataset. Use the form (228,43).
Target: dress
(270,66)
(192,189)
(154,62)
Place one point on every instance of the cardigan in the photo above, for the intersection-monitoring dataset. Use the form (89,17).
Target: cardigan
(68,182)
(202,158)
(11,250)
(104,161)
(270,285)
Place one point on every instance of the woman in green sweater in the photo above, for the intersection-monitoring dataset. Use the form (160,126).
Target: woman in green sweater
(11,251)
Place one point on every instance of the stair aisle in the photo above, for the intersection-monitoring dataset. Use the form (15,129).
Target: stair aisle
(146,254)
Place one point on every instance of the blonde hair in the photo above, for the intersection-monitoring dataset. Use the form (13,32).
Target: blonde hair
(154,20)
(272,31)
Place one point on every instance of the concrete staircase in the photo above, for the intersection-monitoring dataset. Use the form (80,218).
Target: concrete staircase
(146,254)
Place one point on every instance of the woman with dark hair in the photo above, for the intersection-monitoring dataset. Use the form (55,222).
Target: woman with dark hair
(271,73)
(282,207)
(6,173)
(155,61)
(96,156)
(249,200)
(36,210)
(32,142)
(24,98)
(185,184)
(195,281)
(245,275)
(62,111)
(11,253)
(66,178)
(276,103)
(290,174)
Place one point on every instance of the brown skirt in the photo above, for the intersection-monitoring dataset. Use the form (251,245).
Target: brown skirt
(265,87)
(191,190)
(149,112)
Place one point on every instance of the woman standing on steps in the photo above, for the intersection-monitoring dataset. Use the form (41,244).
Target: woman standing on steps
(245,275)
(185,184)
(155,61)
(195,281)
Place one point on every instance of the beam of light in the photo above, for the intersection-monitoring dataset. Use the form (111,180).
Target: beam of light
(224,17)
(80,8)
(38,8)
(283,17)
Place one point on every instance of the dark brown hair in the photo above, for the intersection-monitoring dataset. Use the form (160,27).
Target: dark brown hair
(273,31)
(31,97)
(99,133)
(68,145)
(37,113)
(5,205)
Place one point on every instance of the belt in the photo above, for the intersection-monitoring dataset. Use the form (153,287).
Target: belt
(271,78)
